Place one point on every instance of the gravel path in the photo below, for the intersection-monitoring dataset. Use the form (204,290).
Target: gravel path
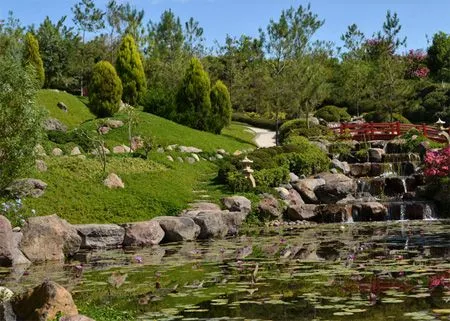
(264,137)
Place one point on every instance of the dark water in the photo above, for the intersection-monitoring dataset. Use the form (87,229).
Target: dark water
(378,271)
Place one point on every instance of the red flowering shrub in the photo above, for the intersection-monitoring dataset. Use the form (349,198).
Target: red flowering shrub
(416,60)
(437,162)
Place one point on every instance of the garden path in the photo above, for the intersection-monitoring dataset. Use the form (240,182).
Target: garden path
(263,137)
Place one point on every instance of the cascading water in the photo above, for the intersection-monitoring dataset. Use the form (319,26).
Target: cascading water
(428,213)
(405,189)
(402,212)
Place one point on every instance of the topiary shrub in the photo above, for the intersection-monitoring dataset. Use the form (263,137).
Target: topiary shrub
(32,57)
(333,114)
(131,71)
(105,90)
(220,108)
(265,123)
(298,127)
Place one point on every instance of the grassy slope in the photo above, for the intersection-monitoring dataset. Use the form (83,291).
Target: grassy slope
(167,132)
(152,188)
(77,111)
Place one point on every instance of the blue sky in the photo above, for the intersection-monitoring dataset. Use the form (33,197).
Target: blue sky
(236,17)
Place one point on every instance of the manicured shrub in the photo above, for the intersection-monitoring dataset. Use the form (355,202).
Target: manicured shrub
(131,71)
(379,117)
(20,118)
(220,108)
(161,102)
(298,127)
(105,90)
(333,114)
(269,124)
(193,100)
(32,57)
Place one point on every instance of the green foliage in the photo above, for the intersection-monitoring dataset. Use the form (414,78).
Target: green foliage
(439,56)
(160,101)
(333,114)
(382,117)
(342,148)
(193,98)
(105,90)
(298,127)
(220,108)
(20,118)
(78,137)
(255,121)
(32,57)
(131,71)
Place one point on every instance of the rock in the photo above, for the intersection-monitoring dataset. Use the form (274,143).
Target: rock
(6,245)
(40,165)
(49,238)
(178,229)
(336,187)
(394,186)
(222,152)
(360,169)
(136,143)
(195,156)
(306,188)
(237,204)
(300,212)
(26,187)
(53,124)
(342,167)
(18,257)
(39,150)
(321,145)
(204,206)
(44,302)
(113,181)
(143,233)
(212,225)
(313,120)
(5,294)
(103,129)
(376,186)
(395,146)
(189,149)
(415,211)
(376,169)
(62,106)
(121,149)
(190,160)
(218,156)
(113,123)
(57,152)
(293,178)
(171,147)
(97,150)
(333,213)
(170,158)
(282,192)
(234,221)
(369,211)
(294,198)
(179,159)
(237,153)
(6,312)
(160,150)
(78,317)
(376,155)
(268,208)
(75,151)
(100,236)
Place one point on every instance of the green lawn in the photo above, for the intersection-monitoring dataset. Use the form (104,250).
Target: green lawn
(77,112)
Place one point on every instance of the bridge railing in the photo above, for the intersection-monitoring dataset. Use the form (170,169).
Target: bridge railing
(385,131)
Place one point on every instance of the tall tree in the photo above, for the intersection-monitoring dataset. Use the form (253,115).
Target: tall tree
(439,56)
(220,108)
(131,71)
(32,57)
(11,31)
(193,35)
(353,40)
(193,98)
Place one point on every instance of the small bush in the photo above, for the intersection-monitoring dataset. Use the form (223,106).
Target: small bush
(105,90)
(272,177)
(298,127)
(78,137)
(220,108)
(333,114)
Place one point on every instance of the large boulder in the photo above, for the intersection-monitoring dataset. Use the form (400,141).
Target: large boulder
(99,236)
(268,208)
(336,187)
(6,235)
(18,257)
(333,213)
(53,124)
(143,233)
(234,221)
(189,149)
(360,169)
(49,238)
(237,204)
(26,187)
(204,206)
(178,229)
(376,155)
(306,188)
(6,311)
(343,167)
(395,186)
(212,225)
(44,302)
(114,123)
(301,212)
(77,318)
(369,211)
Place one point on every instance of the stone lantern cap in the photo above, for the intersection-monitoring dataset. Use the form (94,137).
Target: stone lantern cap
(440,122)
(246,160)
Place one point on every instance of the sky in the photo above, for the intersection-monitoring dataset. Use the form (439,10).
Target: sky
(218,18)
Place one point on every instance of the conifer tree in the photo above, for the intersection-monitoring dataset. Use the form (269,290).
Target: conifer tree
(193,100)
(220,107)
(105,90)
(131,71)
(32,57)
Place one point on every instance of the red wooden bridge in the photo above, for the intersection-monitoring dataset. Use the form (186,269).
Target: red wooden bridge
(386,131)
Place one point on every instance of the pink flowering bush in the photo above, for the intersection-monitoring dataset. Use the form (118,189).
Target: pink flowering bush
(437,162)
(416,60)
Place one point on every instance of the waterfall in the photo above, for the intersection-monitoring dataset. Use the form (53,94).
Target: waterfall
(402,212)
(428,214)
(405,189)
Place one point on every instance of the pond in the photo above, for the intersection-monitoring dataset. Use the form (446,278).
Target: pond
(361,271)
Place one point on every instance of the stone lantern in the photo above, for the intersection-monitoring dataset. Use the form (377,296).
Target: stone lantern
(443,130)
(248,171)
(440,124)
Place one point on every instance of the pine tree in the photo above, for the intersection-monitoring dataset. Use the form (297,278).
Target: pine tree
(32,57)
(193,100)
(131,71)
(220,107)
(105,90)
